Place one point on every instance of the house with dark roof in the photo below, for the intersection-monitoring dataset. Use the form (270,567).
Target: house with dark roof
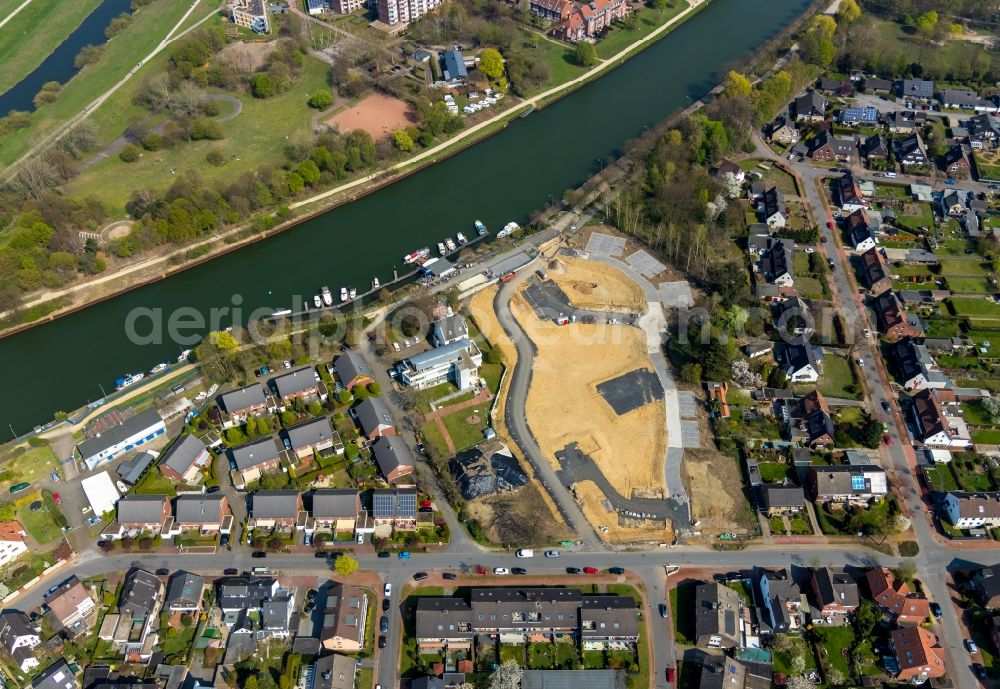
(781,499)
(276,616)
(236,594)
(810,107)
(905,121)
(843,88)
(892,319)
(184,460)
(967,99)
(352,370)
(968,510)
(300,383)
(792,317)
(334,671)
(875,271)
(835,594)
(919,657)
(849,194)
(184,591)
(809,421)
(275,509)
(956,162)
(56,676)
(207,513)
(344,618)
(717,616)
(374,418)
(874,85)
(142,514)
(910,151)
(773,210)
(313,437)
(454,71)
(846,483)
(914,366)
(244,402)
(142,593)
(336,510)
(254,459)
(916,89)
(394,457)
(776,264)
(132,469)
(798,359)
(986,586)
(828,148)
(130,434)
(983,131)
(933,425)
(875,148)
(778,600)
(396,508)
(861,231)
(448,329)
(857,116)
(19,638)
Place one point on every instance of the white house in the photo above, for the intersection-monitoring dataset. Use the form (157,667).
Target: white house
(799,361)
(972,510)
(131,433)
(458,362)
(12,544)
(18,638)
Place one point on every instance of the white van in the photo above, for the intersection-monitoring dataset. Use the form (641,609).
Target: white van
(524,552)
(890,175)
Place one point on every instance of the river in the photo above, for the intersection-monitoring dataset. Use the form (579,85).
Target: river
(60,365)
(58,66)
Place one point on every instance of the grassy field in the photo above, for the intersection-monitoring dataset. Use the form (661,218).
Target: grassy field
(148,27)
(974,307)
(463,432)
(964,267)
(38,523)
(249,143)
(837,379)
(967,285)
(940,478)
(620,38)
(561,60)
(432,436)
(31,464)
(34,33)
(832,641)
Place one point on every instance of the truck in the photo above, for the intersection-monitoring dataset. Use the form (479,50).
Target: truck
(525,552)
(507,277)
(562,320)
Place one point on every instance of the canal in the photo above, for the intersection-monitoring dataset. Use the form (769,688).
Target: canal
(58,66)
(58,366)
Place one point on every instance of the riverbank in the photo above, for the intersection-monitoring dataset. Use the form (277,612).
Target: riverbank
(160,266)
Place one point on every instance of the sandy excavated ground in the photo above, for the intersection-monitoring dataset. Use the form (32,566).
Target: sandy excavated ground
(564,406)
(524,517)
(713,481)
(378,114)
(590,499)
(596,286)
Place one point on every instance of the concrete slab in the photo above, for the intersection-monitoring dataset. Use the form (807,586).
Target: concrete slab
(690,435)
(632,390)
(687,404)
(645,263)
(605,244)
(676,294)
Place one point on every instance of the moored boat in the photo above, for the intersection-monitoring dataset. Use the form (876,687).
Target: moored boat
(442,249)
(162,366)
(508,229)
(130,379)
(353,293)
(417,255)
(343,294)
(451,244)
(317,300)
(480,228)
(327,297)
(375,283)
(461,238)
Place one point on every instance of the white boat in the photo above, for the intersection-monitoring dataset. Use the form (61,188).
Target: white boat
(318,301)
(343,294)
(451,244)
(442,249)
(162,366)
(282,312)
(508,229)
(417,255)
(375,283)
(327,297)
(461,238)
(353,293)
(183,356)
(122,383)
(480,228)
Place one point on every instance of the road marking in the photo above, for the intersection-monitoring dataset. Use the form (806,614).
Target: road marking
(14,13)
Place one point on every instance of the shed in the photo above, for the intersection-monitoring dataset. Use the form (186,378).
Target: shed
(101,493)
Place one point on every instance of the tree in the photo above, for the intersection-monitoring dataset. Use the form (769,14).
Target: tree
(738,86)
(287,417)
(926,24)
(491,63)
(345,565)
(130,153)
(848,12)
(992,407)
(215,158)
(320,100)
(586,54)
(261,85)
(507,676)
(8,511)
(835,677)
(691,373)
(402,140)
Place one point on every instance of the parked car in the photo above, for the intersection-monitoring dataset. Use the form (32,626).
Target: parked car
(311,594)
(551,553)
(258,554)
(162,572)
(501,571)
(979,670)
(384,554)
(321,555)
(383,624)
(57,498)
(573,570)
(419,576)
(670,674)
(518,570)
(935,609)
(970,646)
(309,607)
(885,405)
(591,570)
(450,576)
(663,610)
(381,641)
(386,604)
(231,572)
(616,570)
(54,476)
(404,555)
(93,521)
(887,438)
(387,590)
(361,538)
(18,487)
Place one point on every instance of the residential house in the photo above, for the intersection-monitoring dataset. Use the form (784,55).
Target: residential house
(551,10)
(275,509)
(856,116)
(346,6)
(276,616)
(395,12)
(780,499)
(56,676)
(875,148)
(778,600)
(236,594)
(142,514)
(984,131)
(451,328)
(783,131)
(986,586)
(255,459)
(956,162)
(792,317)
(776,264)
(12,543)
(934,426)
(394,457)
(333,671)
(184,592)
(587,20)
(128,435)
(875,272)
(854,483)
(70,607)
(336,510)
(917,89)
(910,151)
(717,399)
(345,618)
(952,203)
(891,318)
(396,508)
(895,596)
(138,610)
(849,195)
(915,368)
(313,437)
(810,423)
(19,638)
(243,402)
(810,107)
(352,370)
(298,384)
(835,593)
(905,121)
(206,514)
(717,616)
(457,362)
(722,672)
(453,69)
(132,469)
(873,85)
(185,459)
(967,510)
(798,358)
(843,88)
(919,657)
(828,148)
(251,14)
(967,99)
(374,418)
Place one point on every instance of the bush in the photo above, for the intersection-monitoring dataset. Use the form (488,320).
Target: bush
(130,153)
(215,158)
(909,549)
(320,100)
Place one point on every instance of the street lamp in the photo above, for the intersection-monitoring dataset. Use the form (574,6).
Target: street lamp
(601,161)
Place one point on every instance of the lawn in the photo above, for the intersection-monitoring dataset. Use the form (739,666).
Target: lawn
(777,525)
(986,437)
(800,525)
(797,648)
(34,33)
(511,652)
(155,483)
(940,478)
(434,438)
(773,472)
(837,379)
(561,60)
(974,414)
(968,267)
(40,523)
(148,27)
(466,426)
(832,642)
(648,20)
(422,398)
(540,656)
(683,615)
(26,463)
(967,285)
(249,143)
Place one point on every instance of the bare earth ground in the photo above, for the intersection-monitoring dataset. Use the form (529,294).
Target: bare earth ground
(596,286)
(713,481)
(522,517)
(378,114)
(564,406)
(590,498)
(248,55)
